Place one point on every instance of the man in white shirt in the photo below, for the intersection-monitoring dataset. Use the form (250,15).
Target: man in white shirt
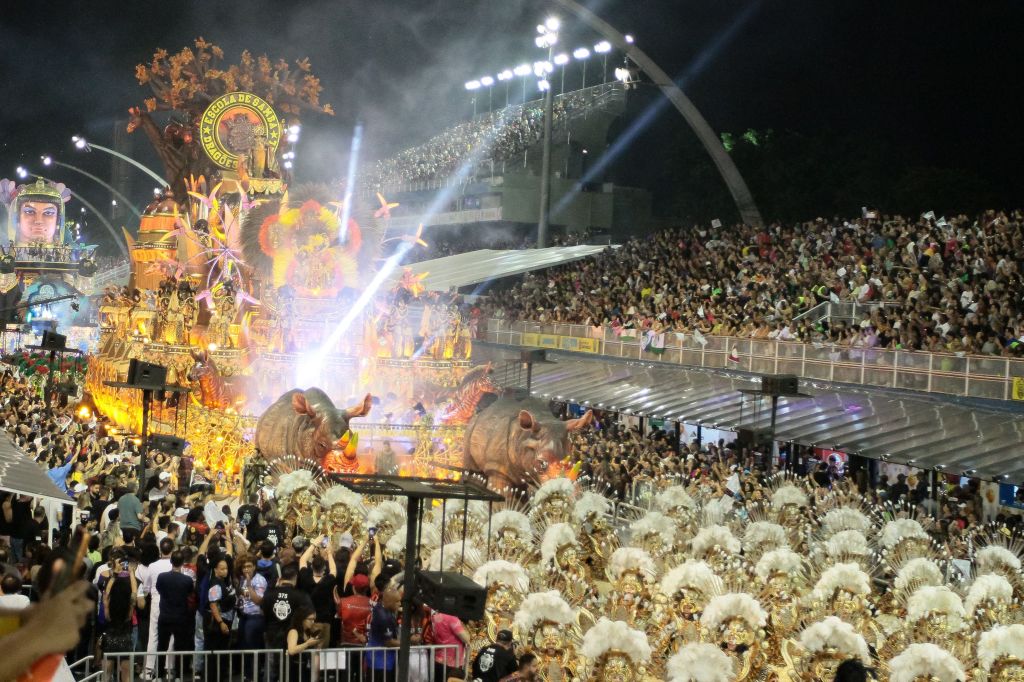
(148,588)
(11,598)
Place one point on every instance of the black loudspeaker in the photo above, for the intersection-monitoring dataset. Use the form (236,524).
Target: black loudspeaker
(53,341)
(779,384)
(169,445)
(538,355)
(146,374)
(452,593)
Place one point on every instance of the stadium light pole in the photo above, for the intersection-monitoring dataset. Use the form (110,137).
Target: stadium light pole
(745,204)
(50,161)
(548,37)
(488,82)
(523,70)
(82,143)
(506,76)
(582,54)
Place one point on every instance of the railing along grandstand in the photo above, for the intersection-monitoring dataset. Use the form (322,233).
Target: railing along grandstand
(975,376)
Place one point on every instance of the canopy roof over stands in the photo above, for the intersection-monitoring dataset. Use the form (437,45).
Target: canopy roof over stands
(19,474)
(484,265)
(921,432)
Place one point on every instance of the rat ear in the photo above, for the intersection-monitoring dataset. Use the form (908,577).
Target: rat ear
(360,410)
(526,421)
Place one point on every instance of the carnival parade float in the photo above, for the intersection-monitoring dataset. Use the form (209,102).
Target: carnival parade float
(264,298)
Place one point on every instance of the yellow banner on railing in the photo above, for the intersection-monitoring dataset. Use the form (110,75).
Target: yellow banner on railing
(547,341)
(557,342)
(1018,388)
(529,339)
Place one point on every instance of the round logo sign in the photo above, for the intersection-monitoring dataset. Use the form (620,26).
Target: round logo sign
(236,125)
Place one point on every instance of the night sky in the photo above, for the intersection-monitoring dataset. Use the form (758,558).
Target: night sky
(940,79)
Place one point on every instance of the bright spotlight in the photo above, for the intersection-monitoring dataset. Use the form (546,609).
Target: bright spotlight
(553,23)
(522,70)
(541,29)
(80,142)
(473,85)
(83,209)
(22,173)
(581,53)
(543,84)
(487,81)
(505,75)
(561,59)
(113,202)
(46,160)
(628,38)
(602,47)
(156,191)
(288,165)
(294,129)
(539,41)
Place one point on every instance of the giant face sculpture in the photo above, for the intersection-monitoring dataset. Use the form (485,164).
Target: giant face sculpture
(37,222)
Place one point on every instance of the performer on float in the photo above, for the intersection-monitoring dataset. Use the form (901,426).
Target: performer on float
(616,652)
(550,628)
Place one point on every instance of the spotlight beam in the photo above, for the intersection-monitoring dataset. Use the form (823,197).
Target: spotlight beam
(88,146)
(712,144)
(127,202)
(353,163)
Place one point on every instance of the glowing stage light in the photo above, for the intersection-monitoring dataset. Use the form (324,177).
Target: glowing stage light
(294,129)
(505,75)
(46,159)
(553,23)
(22,173)
(473,85)
(561,59)
(628,38)
(522,70)
(80,142)
(487,81)
(603,47)
(211,347)
(543,84)
(581,53)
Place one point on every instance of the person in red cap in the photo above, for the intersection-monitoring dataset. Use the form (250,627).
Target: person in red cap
(354,613)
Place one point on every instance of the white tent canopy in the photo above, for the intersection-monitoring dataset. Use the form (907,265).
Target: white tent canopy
(19,474)
(484,265)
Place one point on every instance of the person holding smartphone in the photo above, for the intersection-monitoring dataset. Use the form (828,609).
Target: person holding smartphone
(317,578)
(303,634)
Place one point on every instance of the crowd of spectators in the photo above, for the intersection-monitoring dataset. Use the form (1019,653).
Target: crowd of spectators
(942,285)
(494,137)
(628,465)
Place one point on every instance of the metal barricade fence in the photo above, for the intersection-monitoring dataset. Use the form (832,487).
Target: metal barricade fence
(357,664)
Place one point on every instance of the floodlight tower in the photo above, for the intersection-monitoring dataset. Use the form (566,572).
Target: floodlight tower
(547,38)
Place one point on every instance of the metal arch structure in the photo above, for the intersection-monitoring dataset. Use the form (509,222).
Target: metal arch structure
(749,212)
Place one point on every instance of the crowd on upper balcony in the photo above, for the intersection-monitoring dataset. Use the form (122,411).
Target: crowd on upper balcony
(940,285)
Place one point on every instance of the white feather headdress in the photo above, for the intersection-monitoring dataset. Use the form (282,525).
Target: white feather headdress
(608,635)
(430,537)
(710,537)
(453,554)
(847,543)
(996,558)
(782,560)
(764,533)
(898,530)
(510,518)
(590,503)
(674,497)
(339,494)
(387,512)
(918,573)
(733,605)
(988,587)
(925,660)
(691,574)
(657,523)
(845,518)
(292,482)
(789,494)
(717,509)
(632,559)
(1000,641)
(476,510)
(701,662)
(556,536)
(503,573)
(848,577)
(542,607)
(833,633)
(554,486)
(935,599)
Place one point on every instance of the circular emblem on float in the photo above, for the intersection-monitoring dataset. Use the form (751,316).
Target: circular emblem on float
(236,125)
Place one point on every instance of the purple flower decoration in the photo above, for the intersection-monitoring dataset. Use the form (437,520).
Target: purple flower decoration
(65,193)
(8,190)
